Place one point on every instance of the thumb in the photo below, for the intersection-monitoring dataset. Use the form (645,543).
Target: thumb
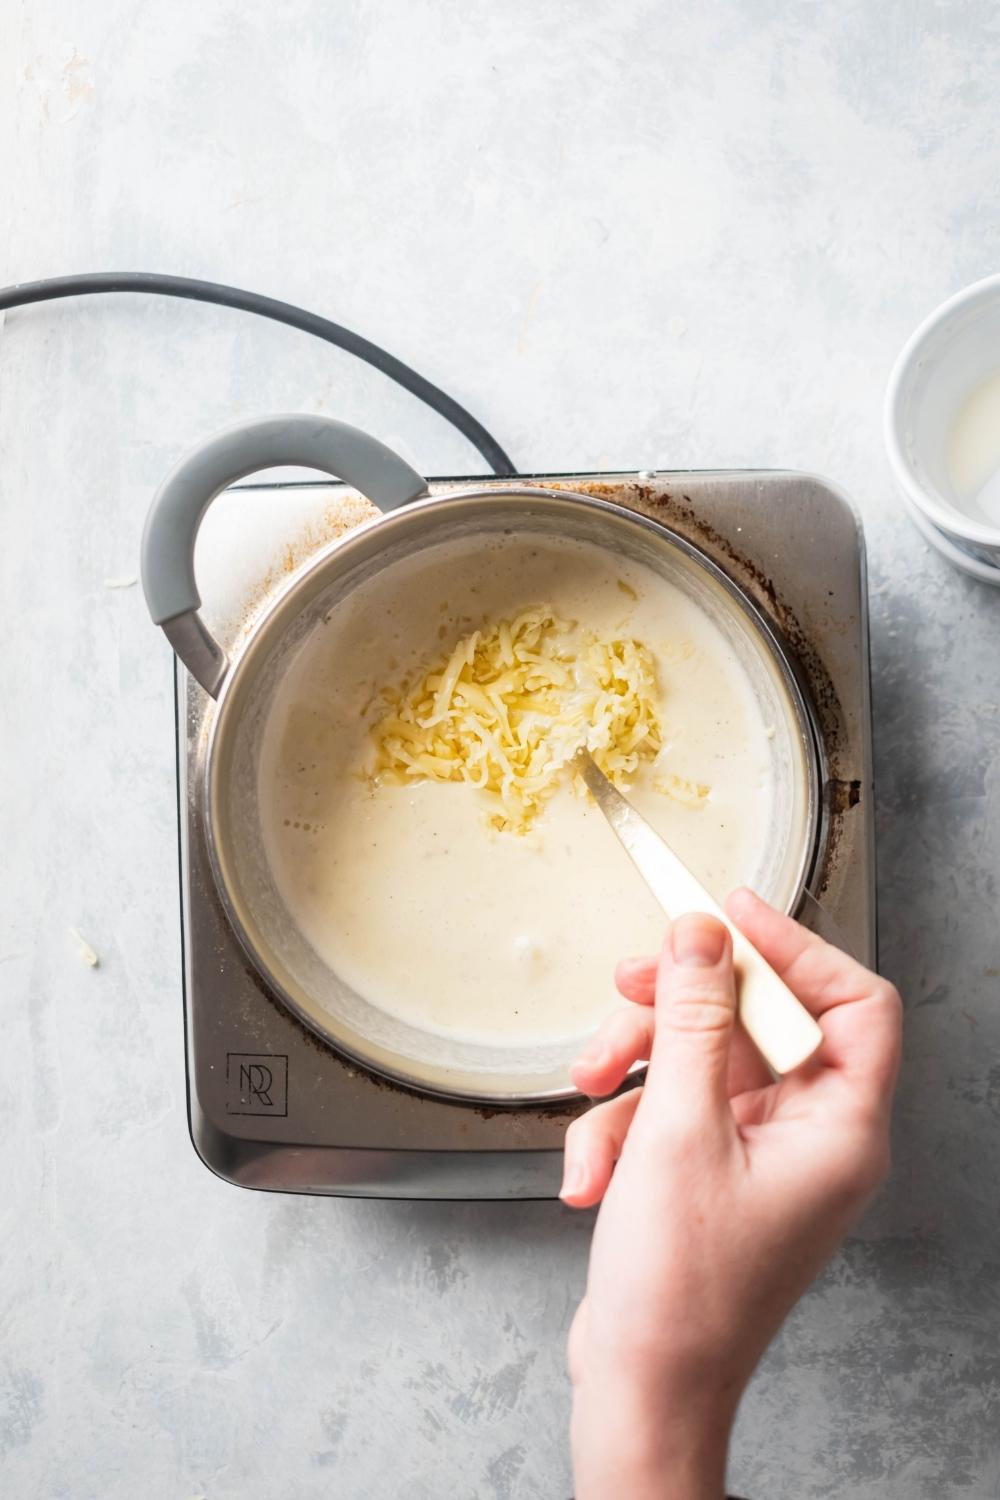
(695,1015)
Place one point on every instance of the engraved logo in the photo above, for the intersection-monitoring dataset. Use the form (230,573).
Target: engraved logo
(256,1083)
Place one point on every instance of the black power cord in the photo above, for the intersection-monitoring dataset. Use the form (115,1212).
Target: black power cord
(281,312)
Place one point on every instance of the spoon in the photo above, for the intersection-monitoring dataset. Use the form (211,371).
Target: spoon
(781,1028)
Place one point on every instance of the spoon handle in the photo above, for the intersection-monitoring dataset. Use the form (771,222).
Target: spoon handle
(781,1028)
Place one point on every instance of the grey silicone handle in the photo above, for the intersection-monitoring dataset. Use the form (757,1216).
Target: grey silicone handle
(177,510)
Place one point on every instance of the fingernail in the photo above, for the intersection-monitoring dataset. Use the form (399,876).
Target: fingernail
(573,1182)
(697,942)
(594,1056)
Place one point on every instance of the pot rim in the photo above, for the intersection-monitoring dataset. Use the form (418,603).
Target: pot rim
(255,641)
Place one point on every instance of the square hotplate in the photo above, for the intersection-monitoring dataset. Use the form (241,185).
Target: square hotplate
(270,1105)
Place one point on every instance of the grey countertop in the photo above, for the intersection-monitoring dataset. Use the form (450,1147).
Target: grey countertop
(626,235)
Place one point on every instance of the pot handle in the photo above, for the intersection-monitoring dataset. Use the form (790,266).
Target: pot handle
(180,504)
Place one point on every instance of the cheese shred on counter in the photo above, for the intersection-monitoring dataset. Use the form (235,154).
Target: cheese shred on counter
(512,704)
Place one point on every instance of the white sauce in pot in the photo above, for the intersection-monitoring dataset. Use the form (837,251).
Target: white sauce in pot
(404,891)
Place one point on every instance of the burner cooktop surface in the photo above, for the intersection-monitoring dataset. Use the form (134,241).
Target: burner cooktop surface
(270,1105)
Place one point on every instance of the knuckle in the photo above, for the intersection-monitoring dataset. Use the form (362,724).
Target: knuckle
(700,1007)
(888,997)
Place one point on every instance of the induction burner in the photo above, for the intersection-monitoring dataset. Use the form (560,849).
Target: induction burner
(269,1104)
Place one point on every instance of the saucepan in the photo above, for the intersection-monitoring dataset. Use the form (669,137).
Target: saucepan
(411,523)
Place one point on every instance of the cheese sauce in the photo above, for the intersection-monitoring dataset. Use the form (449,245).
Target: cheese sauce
(406,893)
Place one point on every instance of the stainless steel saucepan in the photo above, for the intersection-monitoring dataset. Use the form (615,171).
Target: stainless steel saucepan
(244,688)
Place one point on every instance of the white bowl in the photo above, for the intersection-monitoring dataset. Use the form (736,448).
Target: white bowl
(951,354)
(956,555)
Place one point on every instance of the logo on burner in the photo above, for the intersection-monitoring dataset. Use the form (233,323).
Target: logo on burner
(256,1083)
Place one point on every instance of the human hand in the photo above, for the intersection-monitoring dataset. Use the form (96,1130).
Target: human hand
(730,1192)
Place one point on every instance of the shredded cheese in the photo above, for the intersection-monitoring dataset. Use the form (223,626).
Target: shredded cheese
(88,955)
(689,793)
(511,704)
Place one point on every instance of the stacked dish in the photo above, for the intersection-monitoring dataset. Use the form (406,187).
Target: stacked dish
(942,429)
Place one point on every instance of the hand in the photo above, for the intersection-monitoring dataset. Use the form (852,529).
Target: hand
(730,1192)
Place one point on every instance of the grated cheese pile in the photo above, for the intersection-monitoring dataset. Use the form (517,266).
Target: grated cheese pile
(512,704)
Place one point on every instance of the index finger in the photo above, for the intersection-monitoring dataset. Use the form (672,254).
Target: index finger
(819,974)
(859,1013)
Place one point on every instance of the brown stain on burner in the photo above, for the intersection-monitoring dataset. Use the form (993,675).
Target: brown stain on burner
(345,514)
(841,796)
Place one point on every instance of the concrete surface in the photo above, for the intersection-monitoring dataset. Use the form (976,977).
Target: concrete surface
(625,234)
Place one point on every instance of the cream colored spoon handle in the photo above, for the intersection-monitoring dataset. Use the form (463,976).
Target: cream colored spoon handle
(781,1028)
(777,1022)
